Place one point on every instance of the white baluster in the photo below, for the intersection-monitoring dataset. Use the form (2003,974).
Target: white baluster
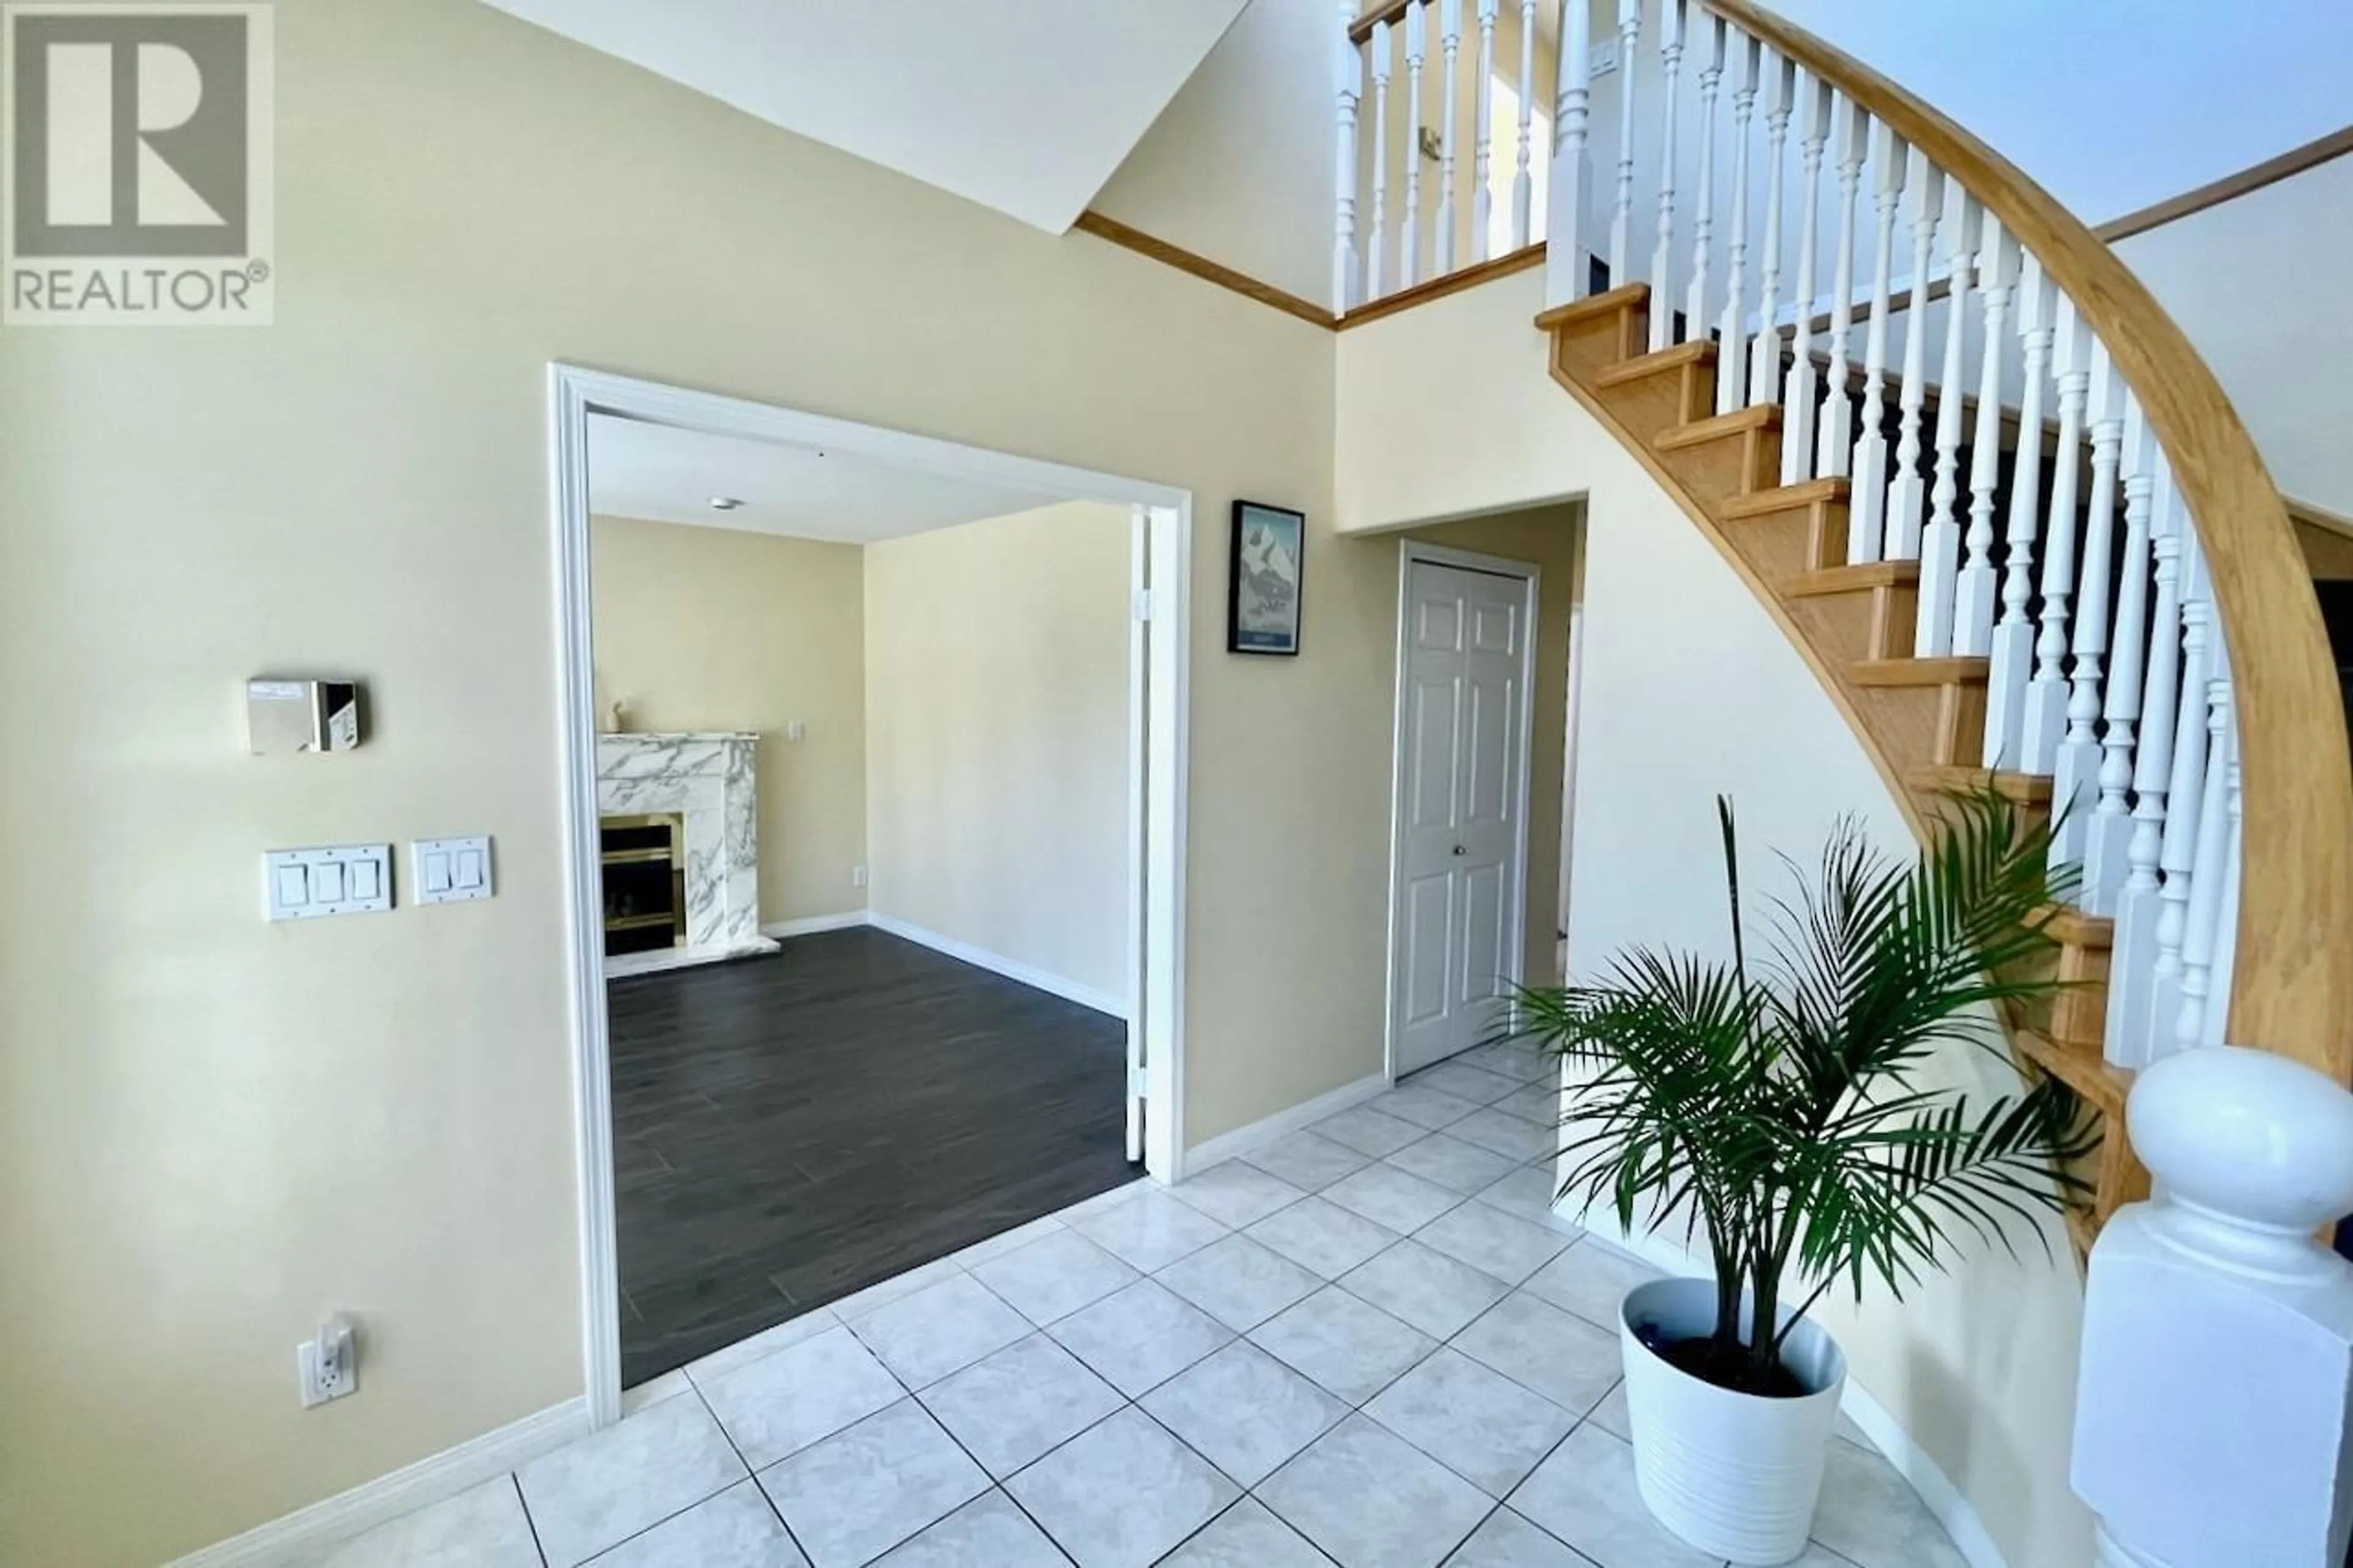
(1731,371)
(1347,75)
(1566,276)
(2046,695)
(2185,794)
(2076,773)
(2217,1013)
(1940,543)
(1450,43)
(1662,254)
(1765,353)
(1867,509)
(1907,497)
(1797,411)
(1417,46)
(1973,596)
(1711,84)
(1376,247)
(1836,451)
(1483,138)
(1621,219)
(2133,960)
(2013,637)
(2110,833)
(1522,184)
(2206,873)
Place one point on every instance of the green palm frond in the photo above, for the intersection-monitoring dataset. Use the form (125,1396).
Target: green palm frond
(1773,1105)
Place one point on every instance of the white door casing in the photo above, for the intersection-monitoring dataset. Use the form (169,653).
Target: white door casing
(1458,906)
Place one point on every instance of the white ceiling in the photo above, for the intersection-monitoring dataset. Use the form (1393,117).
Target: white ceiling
(2113,105)
(669,475)
(1026,106)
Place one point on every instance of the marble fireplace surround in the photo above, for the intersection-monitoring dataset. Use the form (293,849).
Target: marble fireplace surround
(707,779)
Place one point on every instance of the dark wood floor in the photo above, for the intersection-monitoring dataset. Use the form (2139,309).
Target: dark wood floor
(790,1129)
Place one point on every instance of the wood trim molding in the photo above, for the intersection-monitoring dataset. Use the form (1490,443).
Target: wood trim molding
(2292,993)
(2230,187)
(1201,267)
(1389,11)
(1469,277)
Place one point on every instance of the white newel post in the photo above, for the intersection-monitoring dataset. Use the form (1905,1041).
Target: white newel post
(1565,270)
(1347,75)
(2217,1361)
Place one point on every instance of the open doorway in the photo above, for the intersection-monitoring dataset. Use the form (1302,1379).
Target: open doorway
(1484,747)
(874,773)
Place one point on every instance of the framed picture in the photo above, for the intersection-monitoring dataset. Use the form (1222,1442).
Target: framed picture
(1262,599)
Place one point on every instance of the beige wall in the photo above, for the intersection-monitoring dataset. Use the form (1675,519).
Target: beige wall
(1687,690)
(1545,536)
(998,774)
(213,1130)
(717,628)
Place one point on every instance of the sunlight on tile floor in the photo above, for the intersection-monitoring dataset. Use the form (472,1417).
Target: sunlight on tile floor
(1366,1344)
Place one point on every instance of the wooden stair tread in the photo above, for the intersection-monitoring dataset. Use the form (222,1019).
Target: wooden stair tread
(2073,926)
(1787,498)
(2083,1069)
(1698,352)
(1919,672)
(1624,296)
(1699,431)
(2024,789)
(1854,579)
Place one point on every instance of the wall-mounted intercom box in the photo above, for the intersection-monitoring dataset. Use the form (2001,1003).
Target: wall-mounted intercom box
(301,713)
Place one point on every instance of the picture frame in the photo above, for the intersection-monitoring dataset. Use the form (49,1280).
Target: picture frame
(1266,579)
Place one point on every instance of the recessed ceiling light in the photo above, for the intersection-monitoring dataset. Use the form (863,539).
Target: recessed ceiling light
(725,503)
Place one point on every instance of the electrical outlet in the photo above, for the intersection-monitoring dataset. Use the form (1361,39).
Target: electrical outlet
(329,1365)
(795,730)
(858,875)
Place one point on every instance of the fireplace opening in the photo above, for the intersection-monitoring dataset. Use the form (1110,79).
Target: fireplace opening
(644,873)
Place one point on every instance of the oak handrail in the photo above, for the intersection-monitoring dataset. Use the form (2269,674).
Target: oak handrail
(2292,985)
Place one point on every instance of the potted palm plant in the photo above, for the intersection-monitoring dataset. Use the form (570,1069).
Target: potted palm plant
(1775,1112)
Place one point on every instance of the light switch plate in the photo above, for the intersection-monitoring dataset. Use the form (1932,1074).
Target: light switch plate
(450,871)
(335,880)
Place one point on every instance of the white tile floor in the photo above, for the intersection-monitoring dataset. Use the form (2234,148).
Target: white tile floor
(1368,1344)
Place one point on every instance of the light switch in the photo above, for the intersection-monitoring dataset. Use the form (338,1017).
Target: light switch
(338,879)
(452,871)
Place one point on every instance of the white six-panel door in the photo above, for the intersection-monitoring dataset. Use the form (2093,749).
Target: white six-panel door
(1463,787)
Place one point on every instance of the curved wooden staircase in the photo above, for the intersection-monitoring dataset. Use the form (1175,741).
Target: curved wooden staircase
(1921,719)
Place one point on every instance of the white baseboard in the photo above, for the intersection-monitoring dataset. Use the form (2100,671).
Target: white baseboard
(1936,1488)
(307,1532)
(1012,969)
(1242,1140)
(810,925)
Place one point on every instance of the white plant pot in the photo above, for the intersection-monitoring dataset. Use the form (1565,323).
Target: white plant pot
(1735,1474)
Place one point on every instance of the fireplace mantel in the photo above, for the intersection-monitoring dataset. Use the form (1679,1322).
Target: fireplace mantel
(706,777)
